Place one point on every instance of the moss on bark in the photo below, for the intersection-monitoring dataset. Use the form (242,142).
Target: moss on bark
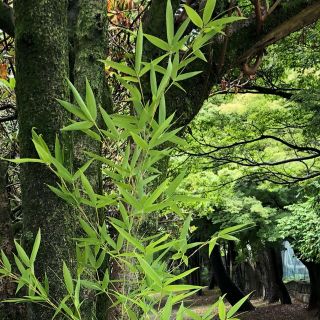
(88,45)
(42,65)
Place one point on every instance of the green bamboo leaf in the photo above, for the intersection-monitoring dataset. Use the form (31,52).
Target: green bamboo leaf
(162,109)
(35,248)
(5,261)
(24,160)
(194,16)
(167,310)
(187,75)
(57,150)
(149,271)
(22,254)
(180,276)
(208,10)
(120,67)
(192,314)
(87,229)
(62,303)
(212,244)
(139,141)
(180,287)
(199,54)
(91,101)
(129,238)
(169,22)
(68,279)
(73,109)
(228,237)
(224,21)
(153,80)
(105,280)
(139,48)
(88,188)
(182,29)
(79,100)
(78,126)
(175,183)
(221,310)
(236,228)
(82,169)
(158,42)
(237,306)
(108,122)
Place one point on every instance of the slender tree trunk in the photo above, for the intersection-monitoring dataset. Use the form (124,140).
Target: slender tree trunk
(41,38)
(225,283)
(270,270)
(88,46)
(7,288)
(314,274)
(195,262)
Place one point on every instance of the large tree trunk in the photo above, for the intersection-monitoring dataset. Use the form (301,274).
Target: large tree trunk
(314,274)
(7,288)
(225,283)
(269,266)
(41,68)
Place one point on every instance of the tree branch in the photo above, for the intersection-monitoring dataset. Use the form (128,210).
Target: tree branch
(306,17)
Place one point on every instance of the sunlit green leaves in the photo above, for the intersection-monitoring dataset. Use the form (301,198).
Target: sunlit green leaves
(194,16)
(208,10)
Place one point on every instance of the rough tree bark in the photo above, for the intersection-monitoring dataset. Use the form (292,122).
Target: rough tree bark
(269,267)
(87,47)
(314,274)
(41,39)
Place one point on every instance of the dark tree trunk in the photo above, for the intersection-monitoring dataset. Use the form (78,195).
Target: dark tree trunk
(8,311)
(195,262)
(41,38)
(225,283)
(314,274)
(269,266)
(88,45)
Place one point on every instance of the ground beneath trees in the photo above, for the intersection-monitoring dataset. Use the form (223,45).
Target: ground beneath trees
(264,311)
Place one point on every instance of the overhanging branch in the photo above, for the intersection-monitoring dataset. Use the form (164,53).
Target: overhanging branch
(306,17)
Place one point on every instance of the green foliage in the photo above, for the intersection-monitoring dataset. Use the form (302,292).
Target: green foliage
(149,285)
(301,226)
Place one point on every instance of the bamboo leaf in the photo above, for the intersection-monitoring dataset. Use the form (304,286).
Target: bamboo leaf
(194,16)
(169,22)
(208,10)
(22,254)
(91,101)
(158,42)
(139,48)
(68,279)
(120,67)
(79,100)
(35,248)
(78,126)
(187,75)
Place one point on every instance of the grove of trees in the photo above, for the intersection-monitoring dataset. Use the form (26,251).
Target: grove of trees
(209,138)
